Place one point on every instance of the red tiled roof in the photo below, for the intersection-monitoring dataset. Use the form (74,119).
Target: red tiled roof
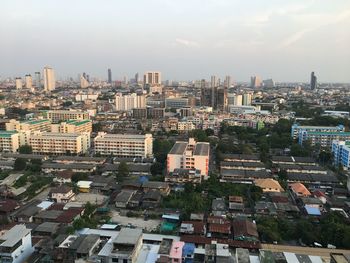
(57,206)
(279,199)
(69,215)
(220,228)
(235,199)
(217,220)
(244,228)
(232,243)
(66,174)
(8,205)
(319,193)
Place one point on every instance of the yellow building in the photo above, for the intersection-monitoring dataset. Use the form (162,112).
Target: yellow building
(269,185)
(9,141)
(72,126)
(32,125)
(65,115)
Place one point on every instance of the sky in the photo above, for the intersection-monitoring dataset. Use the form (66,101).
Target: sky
(184,39)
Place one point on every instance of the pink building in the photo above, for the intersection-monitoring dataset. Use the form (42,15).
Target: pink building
(176,252)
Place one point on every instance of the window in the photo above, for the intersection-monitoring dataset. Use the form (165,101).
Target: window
(114,260)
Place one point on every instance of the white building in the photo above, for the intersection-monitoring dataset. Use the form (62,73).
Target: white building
(255,82)
(247,99)
(186,126)
(129,102)
(124,145)
(189,155)
(16,245)
(59,143)
(49,79)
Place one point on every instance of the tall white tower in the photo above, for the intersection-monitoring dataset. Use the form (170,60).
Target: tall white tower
(29,82)
(19,84)
(49,79)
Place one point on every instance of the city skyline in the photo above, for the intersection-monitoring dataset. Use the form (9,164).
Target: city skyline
(190,40)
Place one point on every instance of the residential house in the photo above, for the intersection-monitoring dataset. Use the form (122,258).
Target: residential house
(62,194)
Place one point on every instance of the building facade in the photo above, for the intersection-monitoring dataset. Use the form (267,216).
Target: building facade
(49,79)
(59,143)
(9,141)
(65,115)
(124,145)
(129,102)
(297,128)
(189,155)
(72,126)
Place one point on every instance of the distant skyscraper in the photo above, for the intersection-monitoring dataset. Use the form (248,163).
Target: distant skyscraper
(269,83)
(37,80)
(152,78)
(255,82)
(19,83)
(109,76)
(213,87)
(49,79)
(313,82)
(84,83)
(29,82)
(137,77)
(227,83)
(247,99)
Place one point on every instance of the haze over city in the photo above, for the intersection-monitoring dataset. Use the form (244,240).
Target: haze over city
(186,40)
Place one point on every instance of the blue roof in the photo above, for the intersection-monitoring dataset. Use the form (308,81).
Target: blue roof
(143,179)
(188,249)
(312,211)
(172,217)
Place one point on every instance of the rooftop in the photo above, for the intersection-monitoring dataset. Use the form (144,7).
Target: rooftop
(128,236)
(202,148)
(178,148)
(11,237)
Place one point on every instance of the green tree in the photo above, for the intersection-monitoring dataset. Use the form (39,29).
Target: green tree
(20,164)
(25,149)
(123,171)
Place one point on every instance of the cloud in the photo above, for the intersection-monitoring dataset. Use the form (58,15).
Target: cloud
(187,43)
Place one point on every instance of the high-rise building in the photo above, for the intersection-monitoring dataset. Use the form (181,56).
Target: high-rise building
(84,83)
(29,81)
(213,87)
(49,79)
(37,80)
(19,83)
(227,82)
(152,78)
(269,83)
(247,99)
(255,82)
(137,78)
(109,76)
(313,81)
(129,102)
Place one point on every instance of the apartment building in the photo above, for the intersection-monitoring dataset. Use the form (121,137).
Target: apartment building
(60,143)
(324,139)
(189,155)
(185,126)
(16,244)
(296,129)
(72,126)
(124,145)
(341,153)
(64,115)
(129,102)
(9,141)
(31,125)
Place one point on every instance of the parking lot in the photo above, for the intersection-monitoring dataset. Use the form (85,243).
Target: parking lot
(148,225)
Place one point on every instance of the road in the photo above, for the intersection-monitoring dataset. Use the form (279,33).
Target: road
(321,252)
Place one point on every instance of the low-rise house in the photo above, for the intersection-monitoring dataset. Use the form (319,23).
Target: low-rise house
(299,190)
(47,216)
(25,213)
(7,206)
(235,203)
(268,185)
(181,176)
(48,167)
(63,177)
(126,246)
(193,228)
(218,207)
(47,229)
(176,251)
(160,186)
(151,199)
(16,245)
(136,200)
(84,186)
(320,195)
(245,230)
(62,194)
(123,198)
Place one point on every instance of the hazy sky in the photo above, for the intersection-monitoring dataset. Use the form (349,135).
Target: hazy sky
(184,39)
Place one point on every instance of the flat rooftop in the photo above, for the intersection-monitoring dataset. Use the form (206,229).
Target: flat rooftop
(178,148)
(202,149)
(128,236)
(14,235)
